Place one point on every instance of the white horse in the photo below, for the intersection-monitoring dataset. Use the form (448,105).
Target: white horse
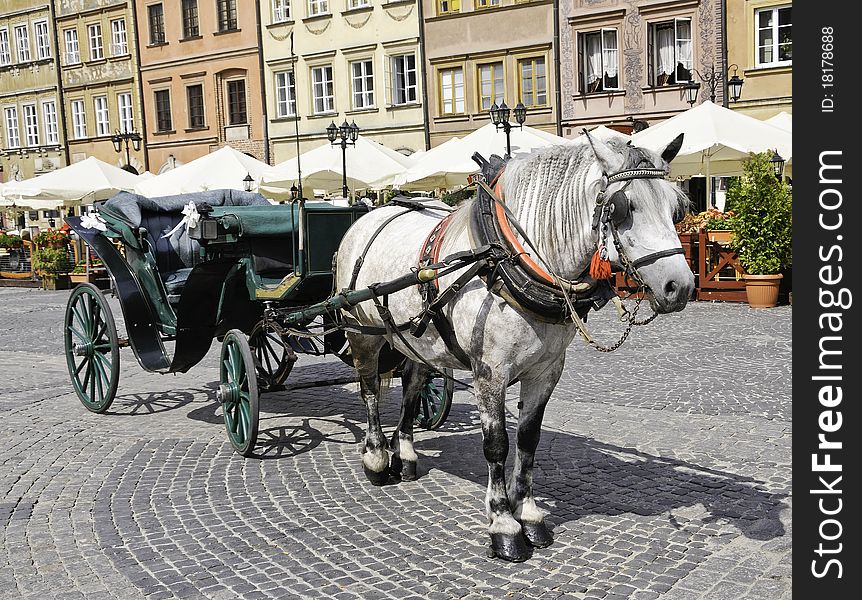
(552,193)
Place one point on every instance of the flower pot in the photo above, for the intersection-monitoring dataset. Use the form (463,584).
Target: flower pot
(720,236)
(55,282)
(762,290)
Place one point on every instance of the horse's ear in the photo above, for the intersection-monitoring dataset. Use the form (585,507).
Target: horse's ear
(608,159)
(671,150)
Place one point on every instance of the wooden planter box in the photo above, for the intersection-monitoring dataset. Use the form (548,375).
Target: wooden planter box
(55,282)
(715,257)
(689,242)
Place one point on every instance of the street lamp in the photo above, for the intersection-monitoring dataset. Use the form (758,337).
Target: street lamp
(121,138)
(345,135)
(712,79)
(248,182)
(777,165)
(500,118)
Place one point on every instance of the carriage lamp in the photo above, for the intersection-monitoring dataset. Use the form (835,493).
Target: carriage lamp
(248,182)
(121,139)
(294,191)
(713,78)
(344,135)
(500,118)
(734,85)
(691,89)
(777,165)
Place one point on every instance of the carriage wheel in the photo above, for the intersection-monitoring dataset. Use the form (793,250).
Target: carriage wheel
(274,357)
(92,347)
(435,400)
(237,392)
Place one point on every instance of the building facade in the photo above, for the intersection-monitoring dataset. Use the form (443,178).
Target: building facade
(355,60)
(625,61)
(201,84)
(760,43)
(482,52)
(32,140)
(99,75)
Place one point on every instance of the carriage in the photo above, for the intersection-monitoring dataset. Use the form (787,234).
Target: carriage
(223,265)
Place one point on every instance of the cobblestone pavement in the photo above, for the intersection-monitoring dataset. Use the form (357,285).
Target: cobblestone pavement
(665,467)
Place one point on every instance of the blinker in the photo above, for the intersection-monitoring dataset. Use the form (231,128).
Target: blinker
(620,208)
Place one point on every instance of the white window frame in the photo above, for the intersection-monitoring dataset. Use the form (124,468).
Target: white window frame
(31,124)
(73,49)
(775,43)
(13,133)
(285,94)
(103,118)
(582,49)
(676,44)
(95,41)
(352,4)
(22,43)
(318,7)
(49,120)
(494,98)
(79,119)
(281,11)
(410,91)
(42,35)
(119,38)
(5,50)
(125,112)
(449,91)
(326,97)
(362,95)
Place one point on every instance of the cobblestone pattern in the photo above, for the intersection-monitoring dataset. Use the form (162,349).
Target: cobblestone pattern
(665,468)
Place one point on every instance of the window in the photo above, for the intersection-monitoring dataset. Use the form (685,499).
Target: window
(79,120)
(404,79)
(236,109)
(533,82)
(322,89)
(156,16)
(358,3)
(94,34)
(280,11)
(43,40)
(486,4)
(124,109)
(452,91)
(13,137)
(227,15)
(362,76)
(31,124)
(598,61)
(670,52)
(285,94)
(195,94)
(5,52)
(774,37)
(445,7)
(318,7)
(103,123)
(73,57)
(22,43)
(164,121)
(49,119)
(191,26)
(490,85)
(119,44)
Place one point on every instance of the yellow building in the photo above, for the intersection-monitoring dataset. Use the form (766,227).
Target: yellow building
(99,74)
(759,42)
(357,60)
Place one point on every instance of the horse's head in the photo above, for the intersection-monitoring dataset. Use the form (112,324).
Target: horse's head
(644,212)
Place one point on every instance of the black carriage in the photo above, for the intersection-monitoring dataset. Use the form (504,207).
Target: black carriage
(220,265)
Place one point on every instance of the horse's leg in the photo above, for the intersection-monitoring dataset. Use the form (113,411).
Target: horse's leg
(404,458)
(536,389)
(375,458)
(507,541)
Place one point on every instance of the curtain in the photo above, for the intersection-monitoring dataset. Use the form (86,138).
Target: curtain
(683,48)
(609,58)
(593,62)
(664,40)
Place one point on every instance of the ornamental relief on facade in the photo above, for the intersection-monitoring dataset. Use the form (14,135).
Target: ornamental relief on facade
(76,6)
(106,72)
(633,66)
(394,14)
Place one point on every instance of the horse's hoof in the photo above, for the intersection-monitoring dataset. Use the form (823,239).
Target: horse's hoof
(538,535)
(396,466)
(509,547)
(408,470)
(375,477)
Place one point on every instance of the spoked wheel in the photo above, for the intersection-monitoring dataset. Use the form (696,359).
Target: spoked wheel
(435,400)
(274,356)
(237,392)
(92,347)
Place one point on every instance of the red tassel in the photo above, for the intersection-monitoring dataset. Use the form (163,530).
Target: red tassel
(600,269)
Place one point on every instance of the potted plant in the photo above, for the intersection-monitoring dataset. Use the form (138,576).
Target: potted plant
(51,238)
(762,228)
(51,264)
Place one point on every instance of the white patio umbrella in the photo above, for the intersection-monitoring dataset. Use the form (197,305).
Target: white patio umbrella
(369,165)
(603,133)
(717,140)
(449,164)
(79,183)
(784,120)
(224,169)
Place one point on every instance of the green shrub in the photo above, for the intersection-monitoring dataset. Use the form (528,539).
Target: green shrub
(51,260)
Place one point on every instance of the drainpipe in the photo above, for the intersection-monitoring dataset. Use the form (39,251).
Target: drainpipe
(140,87)
(61,103)
(724,53)
(262,83)
(426,120)
(558,94)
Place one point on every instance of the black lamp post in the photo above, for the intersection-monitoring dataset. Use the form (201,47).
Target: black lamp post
(500,118)
(121,138)
(346,135)
(777,165)
(712,79)
(248,182)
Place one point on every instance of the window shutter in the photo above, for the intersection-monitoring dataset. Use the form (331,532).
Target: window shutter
(651,55)
(387,80)
(582,88)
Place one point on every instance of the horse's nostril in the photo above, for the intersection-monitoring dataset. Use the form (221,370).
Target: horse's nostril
(670,288)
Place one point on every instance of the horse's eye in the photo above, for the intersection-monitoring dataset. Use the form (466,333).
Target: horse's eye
(678,215)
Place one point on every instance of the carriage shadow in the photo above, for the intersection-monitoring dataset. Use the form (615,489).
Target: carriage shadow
(148,403)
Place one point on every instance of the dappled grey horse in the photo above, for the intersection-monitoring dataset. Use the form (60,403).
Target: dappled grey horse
(552,194)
